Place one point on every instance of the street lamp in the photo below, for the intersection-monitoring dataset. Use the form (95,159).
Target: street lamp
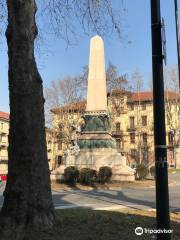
(162,191)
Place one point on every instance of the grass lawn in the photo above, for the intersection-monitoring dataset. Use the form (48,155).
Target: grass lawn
(85,224)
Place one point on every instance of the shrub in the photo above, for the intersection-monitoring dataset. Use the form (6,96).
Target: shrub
(141,171)
(71,174)
(104,174)
(153,171)
(87,176)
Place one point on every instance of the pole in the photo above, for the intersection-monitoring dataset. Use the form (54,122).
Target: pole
(177,37)
(162,192)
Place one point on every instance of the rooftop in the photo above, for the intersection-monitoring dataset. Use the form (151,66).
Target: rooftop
(4,115)
(132,97)
(148,96)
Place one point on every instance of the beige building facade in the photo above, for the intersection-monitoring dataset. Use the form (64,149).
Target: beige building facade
(52,148)
(4,131)
(131,117)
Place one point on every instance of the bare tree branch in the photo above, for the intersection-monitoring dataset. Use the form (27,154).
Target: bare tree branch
(64,17)
(3,14)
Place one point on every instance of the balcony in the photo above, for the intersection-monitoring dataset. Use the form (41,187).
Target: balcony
(131,128)
(3,133)
(117,132)
(3,145)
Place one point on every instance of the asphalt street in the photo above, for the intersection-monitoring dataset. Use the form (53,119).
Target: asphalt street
(135,198)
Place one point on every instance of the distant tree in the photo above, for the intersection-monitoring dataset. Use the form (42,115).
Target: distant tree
(137,86)
(172,106)
(71,89)
(64,91)
(114,80)
(137,81)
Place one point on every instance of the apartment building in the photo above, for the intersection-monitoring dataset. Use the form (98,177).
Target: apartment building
(4,130)
(131,117)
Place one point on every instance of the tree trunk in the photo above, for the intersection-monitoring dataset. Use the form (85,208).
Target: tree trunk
(27,197)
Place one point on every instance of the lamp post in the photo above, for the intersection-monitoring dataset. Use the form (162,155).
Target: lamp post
(162,191)
(177,37)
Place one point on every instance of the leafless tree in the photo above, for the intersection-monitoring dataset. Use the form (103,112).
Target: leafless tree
(64,17)
(137,85)
(114,80)
(73,89)
(172,106)
(27,197)
(3,14)
(64,91)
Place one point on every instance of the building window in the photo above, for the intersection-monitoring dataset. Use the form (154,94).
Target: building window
(168,120)
(60,127)
(59,145)
(143,106)
(118,126)
(132,122)
(119,143)
(133,153)
(49,144)
(144,138)
(132,137)
(59,160)
(144,120)
(131,107)
(170,138)
(145,157)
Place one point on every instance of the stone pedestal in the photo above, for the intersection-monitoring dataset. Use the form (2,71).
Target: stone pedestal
(122,173)
(100,157)
(58,174)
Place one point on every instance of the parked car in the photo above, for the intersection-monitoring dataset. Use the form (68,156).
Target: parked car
(3,177)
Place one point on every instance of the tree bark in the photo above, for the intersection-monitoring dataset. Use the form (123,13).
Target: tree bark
(27,197)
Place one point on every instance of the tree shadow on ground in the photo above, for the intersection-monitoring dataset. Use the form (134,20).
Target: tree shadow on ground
(115,198)
(85,224)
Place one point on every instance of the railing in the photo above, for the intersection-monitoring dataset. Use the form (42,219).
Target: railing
(4,132)
(131,128)
(3,144)
(117,132)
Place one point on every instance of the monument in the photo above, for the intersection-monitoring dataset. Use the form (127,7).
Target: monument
(97,148)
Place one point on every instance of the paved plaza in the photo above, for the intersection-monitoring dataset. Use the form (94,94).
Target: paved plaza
(134,198)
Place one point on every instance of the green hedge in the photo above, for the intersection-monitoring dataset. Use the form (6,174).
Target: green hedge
(104,174)
(71,174)
(87,176)
(141,171)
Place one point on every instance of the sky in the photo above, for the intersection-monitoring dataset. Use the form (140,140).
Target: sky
(131,53)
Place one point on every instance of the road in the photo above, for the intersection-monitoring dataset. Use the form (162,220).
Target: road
(135,198)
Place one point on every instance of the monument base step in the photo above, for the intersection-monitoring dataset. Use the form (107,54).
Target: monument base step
(100,157)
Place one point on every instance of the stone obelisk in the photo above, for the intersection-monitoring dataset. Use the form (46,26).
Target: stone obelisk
(97,147)
(96,94)
(96,130)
